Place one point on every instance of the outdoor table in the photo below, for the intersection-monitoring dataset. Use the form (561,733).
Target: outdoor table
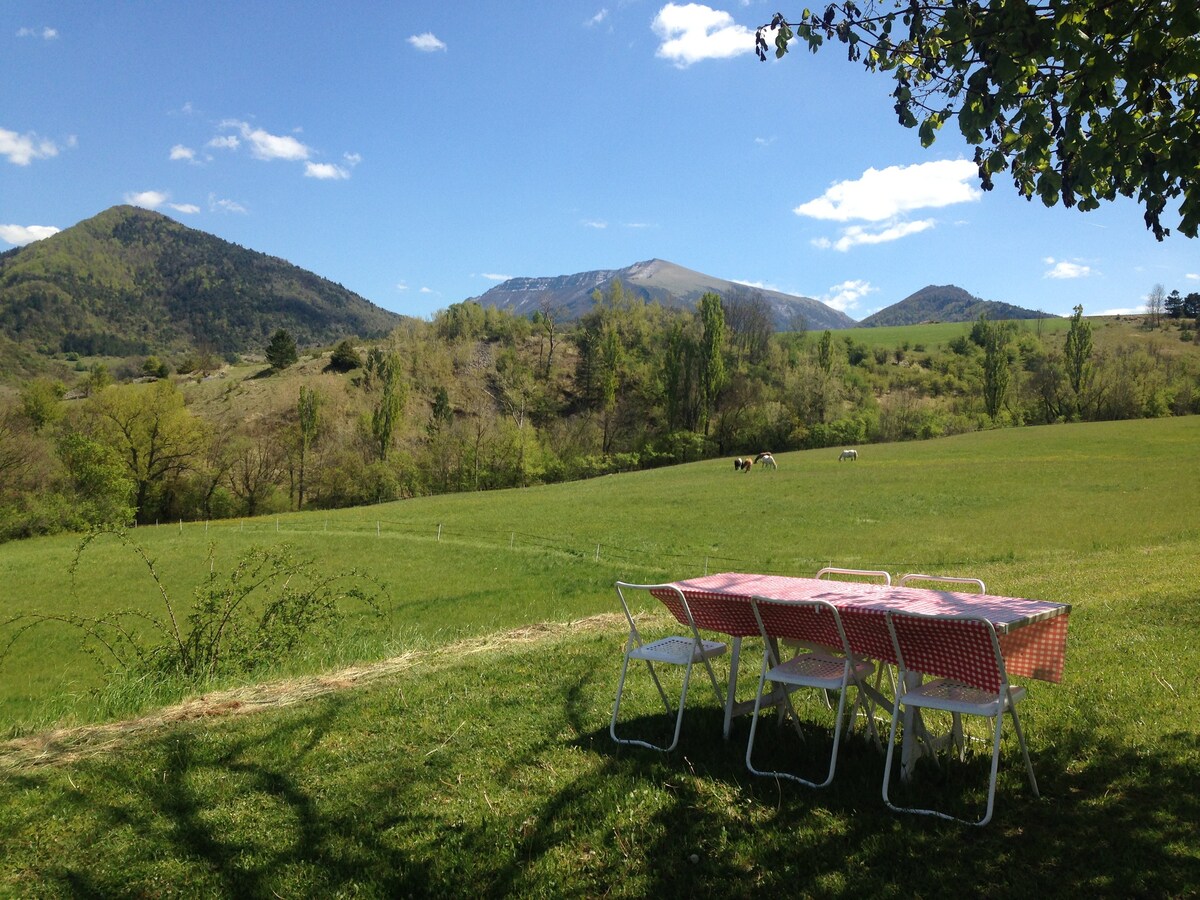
(1032,633)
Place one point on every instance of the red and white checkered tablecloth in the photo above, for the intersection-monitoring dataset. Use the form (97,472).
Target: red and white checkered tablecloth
(1032,633)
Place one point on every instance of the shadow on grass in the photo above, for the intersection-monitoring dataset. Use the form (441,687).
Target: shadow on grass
(304,804)
(1111,819)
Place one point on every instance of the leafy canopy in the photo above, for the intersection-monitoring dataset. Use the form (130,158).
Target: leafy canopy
(1078,100)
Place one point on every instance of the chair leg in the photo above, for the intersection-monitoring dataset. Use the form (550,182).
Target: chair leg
(837,734)
(612,726)
(991,797)
(1024,750)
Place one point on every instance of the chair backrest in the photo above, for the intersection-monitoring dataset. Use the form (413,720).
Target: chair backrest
(809,621)
(946,579)
(862,573)
(960,647)
(711,612)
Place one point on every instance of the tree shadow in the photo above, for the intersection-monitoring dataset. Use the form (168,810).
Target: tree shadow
(235,819)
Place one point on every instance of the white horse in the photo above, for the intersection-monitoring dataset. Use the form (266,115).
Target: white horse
(848,454)
(766,459)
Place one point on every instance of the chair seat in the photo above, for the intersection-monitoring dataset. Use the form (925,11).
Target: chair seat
(818,670)
(954,696)
(677,650)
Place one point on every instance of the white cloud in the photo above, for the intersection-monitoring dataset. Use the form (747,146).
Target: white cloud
(352,158)
(492,276)
(181,152)
(693,32)
(882,194)
(858,235)
(231,206)
(593,223)
(757,285)
(147,199)
(325,171)
(1192,276)
(845,296)
(427,42)
(402,287)
(1062,268)
(21,149)
(225,142)
(20,235)
(883,197)
(597,18)
(426,290)
(46,34)
(263,144)
(186,208)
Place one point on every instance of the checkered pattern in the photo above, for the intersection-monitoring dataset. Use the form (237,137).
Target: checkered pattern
(724,613)
(813,624)
(961,649)
(1032,633)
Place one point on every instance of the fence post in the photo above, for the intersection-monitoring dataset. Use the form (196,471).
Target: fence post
(597,553)
(511,537)
(377,528)
(439,532)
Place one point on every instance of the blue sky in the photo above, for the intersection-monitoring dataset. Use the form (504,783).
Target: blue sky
(418,153)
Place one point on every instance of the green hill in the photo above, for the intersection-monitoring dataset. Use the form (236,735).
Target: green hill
(131,281)
(946,303)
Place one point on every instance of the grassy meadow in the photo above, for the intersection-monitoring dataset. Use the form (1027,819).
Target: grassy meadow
(481,763)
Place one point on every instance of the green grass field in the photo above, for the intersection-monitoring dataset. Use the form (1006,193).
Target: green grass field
(491,772)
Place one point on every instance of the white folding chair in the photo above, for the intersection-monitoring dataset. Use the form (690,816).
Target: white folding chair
(946,579)
(813,622)
(956,729)
(675,650)
(964,655)
(883,668)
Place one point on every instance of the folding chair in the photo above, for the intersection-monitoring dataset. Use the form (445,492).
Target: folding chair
(675,650)
(883,668)
(965,655)
(812,622)
(956,729)
(946,579)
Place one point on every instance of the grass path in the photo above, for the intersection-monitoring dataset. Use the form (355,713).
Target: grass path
(64,745)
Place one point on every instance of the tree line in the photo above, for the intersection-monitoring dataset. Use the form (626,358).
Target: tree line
(479,399)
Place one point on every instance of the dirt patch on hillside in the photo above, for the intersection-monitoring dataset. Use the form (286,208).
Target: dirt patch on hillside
(64,745)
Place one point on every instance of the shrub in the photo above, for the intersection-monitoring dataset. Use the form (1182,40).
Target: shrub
(259,612)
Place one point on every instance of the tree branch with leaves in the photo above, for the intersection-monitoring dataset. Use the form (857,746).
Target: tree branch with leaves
(1078,101)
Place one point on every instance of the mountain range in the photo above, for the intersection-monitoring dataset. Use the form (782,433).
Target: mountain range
(131,281)
(656,280)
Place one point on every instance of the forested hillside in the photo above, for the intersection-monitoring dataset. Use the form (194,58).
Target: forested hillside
(946,303)
(131,281)
(480,399)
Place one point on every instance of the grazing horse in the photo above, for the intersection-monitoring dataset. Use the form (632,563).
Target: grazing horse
(849,454)
(766,459)
(742,465)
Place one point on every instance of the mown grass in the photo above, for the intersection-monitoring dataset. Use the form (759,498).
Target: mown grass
(492,773)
